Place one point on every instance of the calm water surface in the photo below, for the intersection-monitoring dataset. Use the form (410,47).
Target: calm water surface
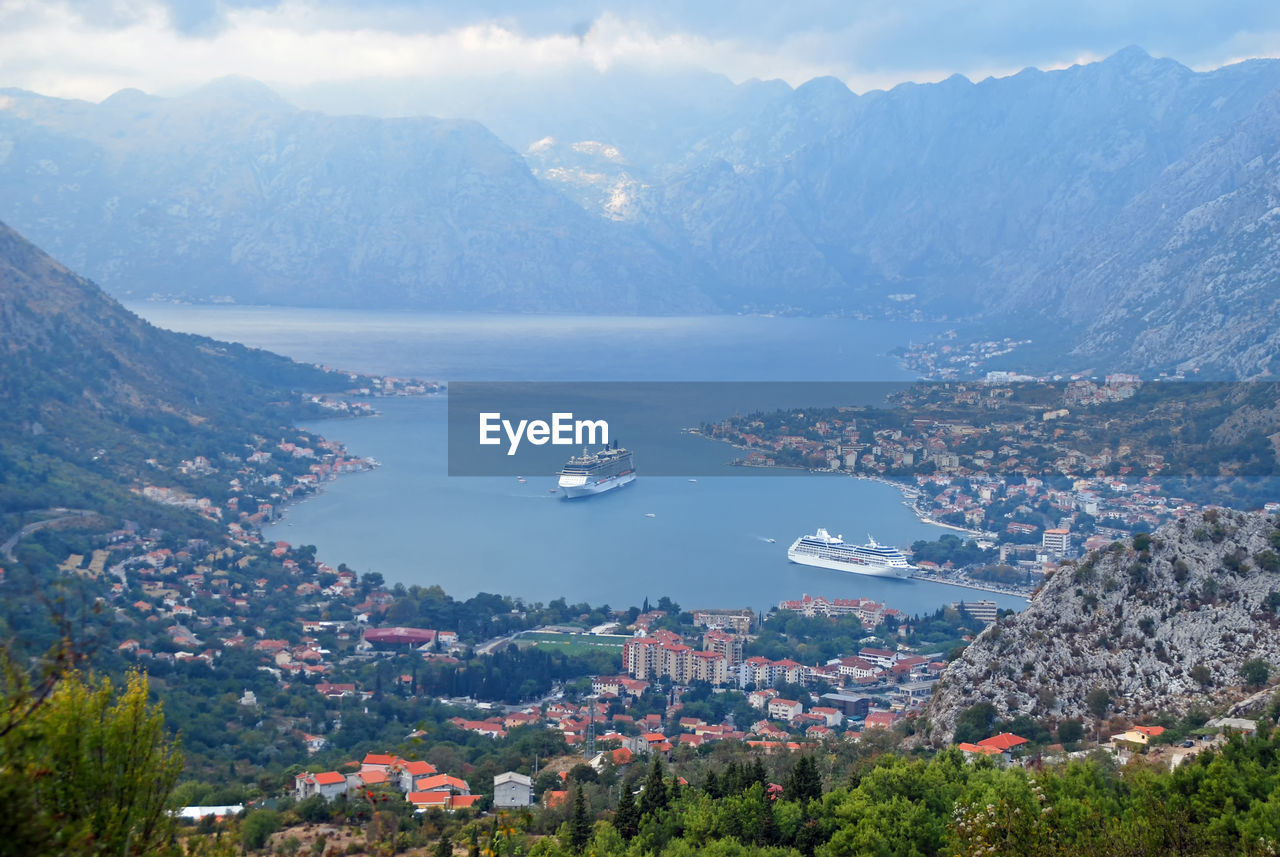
(706,544)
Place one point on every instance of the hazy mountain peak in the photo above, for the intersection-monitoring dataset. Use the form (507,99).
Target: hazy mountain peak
(1129,56)
(127,98)
(1134,61)
(240,90)
(826,92)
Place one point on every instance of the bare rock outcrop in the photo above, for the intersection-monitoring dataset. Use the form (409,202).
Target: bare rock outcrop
(1160,623)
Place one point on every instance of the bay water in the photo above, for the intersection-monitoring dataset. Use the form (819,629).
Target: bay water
(719,541)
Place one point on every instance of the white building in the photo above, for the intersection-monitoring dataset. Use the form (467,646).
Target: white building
(1057,541)
(512,789)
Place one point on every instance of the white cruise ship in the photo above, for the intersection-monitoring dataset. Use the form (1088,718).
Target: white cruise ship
(597,472)
(827,551)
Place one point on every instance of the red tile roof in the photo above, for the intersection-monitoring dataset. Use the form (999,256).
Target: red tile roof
(1003,741)
(977,748)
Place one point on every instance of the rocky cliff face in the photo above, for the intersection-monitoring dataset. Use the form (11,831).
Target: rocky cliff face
(91,391)
(1128,205)
(1184,278)
(231,192)
(1160,624)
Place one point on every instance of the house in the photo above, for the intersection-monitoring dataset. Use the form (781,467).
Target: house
(880,720)
(407,773)
(1235,724)
(512,789)
(443,782)
(1006,741)
(377,762)
(328,785)
(1139,736)
(1004,744)
(973,750)
(440,800)
(369,778)
(832,717)
(880,657)
(784,709)
(858,668)
(315,743)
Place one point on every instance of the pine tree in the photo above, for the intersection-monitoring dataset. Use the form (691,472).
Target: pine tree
(627,818)
(769,834)
(654,796)
(444,848)
(712,785)
(804,783)
(759,774)
(580,824)
(673,793)
(731,783)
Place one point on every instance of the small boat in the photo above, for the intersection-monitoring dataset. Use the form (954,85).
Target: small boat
(521,479)
(770,541)
(693,480)
(554,491)
(650,515)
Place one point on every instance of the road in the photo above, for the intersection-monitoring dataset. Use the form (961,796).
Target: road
(6,550)
(488,647)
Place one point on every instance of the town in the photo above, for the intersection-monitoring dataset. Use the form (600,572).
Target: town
(1018,463)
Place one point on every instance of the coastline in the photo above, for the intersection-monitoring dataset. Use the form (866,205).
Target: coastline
(910,494)
(977,587)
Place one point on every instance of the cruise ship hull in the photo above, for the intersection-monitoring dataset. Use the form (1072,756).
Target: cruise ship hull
(590,489)
(895,572)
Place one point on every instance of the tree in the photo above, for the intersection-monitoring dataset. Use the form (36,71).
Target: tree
(580,824)
(257,828)
(975,722)
(654,796)
(804,783)
(1070,731)
(1098,701)
(1255,672)
(93,768)
(626,818)
(444,848)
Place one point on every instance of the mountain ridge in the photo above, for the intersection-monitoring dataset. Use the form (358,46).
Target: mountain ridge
(1137,621)
(98,401)
(956,200)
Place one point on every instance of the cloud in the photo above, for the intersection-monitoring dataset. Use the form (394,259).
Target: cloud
(90,48)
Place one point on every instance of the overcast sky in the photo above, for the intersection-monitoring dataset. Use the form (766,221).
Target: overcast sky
(91,48)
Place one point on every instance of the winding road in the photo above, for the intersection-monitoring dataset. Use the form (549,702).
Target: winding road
(6,549)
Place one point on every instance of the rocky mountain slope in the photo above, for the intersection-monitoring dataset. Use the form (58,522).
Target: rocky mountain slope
(1124,204)
(1161,623)
(1184,278)
(944,196)
(91,391)
(233,193)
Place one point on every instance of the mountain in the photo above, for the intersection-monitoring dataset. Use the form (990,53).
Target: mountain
(98,400)
(1184,277)
(1120,206)
(232,193)
(1159,623)
(951,192)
